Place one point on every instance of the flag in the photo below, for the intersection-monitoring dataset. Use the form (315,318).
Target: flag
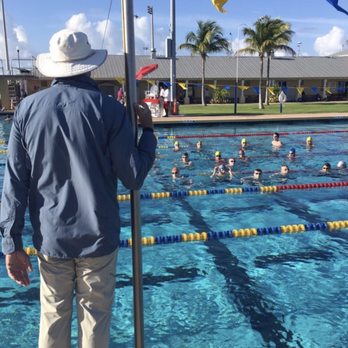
(271,90)
(334,3)
(299,90)
(211,86)
(182,85)
(219,5)
(143,71)
(243,88)
(328,90)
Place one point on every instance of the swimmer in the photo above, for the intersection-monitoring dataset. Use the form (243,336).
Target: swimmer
(342,168)
(309,142)
(326,168)
(199,145)
(185,159)
(221,171)
(176,146)
(175,173)
(231,163)
(341,165)
(282,174)
(218,158)
(242,156)
(255,179)
(276,142)
(244,143)
(292,153)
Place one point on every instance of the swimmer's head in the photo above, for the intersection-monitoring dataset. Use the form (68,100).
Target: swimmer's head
(176,143)
(326,167)
(284,169)
(231,161)
(244,142)
(175,170)
(341,165)
(275,135)
(257,173)
(222,168)
(199,144)
(217,154)
(309,140)
(292,151)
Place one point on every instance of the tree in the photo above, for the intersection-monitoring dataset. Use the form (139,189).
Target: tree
(267,35)
(207,39)
(280,36)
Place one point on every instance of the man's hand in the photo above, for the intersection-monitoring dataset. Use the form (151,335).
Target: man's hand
(18,265)
(144,115)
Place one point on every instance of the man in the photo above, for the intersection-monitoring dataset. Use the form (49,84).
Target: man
(276,140)
(68,146)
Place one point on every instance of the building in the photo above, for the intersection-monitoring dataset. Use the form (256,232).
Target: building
(302,78)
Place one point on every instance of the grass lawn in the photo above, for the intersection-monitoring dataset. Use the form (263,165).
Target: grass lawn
(253,109)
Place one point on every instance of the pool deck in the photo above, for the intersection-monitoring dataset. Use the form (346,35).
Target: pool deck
(248,118)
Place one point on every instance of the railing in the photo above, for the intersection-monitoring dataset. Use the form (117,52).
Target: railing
(19,67)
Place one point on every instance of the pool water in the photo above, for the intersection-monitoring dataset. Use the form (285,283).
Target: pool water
(287,290)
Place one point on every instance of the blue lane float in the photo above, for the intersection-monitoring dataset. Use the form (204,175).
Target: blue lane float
(233,233)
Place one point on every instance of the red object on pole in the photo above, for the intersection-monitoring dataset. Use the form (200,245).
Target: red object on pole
(143,71)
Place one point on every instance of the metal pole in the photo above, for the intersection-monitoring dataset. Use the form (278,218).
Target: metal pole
(129,53)
(153,49)
(173,58)
(19,62)
(237,73)
(5,37)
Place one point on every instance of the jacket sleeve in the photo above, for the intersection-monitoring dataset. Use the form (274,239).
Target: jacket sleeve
(131,163)
(15,191)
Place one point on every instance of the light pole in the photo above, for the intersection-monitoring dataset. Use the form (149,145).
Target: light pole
(299,48)
(237,71)
(5,37)
(153,50)
(173,59)
(19,61)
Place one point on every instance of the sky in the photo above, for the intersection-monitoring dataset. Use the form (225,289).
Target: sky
(319,28)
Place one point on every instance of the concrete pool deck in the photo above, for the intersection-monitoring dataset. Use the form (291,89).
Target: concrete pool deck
(179,119)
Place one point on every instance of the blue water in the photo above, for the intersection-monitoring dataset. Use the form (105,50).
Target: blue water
(266,291)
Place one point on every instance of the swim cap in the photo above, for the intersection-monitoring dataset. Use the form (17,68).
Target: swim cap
(309,139)
(292,150)
(341,165)
(243,141)
(176,143)
(217,153)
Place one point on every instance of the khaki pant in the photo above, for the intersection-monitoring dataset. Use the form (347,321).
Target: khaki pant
(93,282)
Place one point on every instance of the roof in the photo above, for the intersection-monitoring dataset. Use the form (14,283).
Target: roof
(225,67)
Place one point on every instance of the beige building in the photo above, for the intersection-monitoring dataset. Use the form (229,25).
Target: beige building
(301,78)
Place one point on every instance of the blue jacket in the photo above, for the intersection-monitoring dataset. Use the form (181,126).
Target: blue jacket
(68,146)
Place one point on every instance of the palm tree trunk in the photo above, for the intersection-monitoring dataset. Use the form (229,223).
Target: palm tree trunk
(267,81)
(203,82)
(260,84)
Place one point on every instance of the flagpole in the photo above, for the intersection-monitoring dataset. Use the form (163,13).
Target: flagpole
(131,97)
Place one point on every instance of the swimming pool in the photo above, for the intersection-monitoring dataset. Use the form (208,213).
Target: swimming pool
(277,290)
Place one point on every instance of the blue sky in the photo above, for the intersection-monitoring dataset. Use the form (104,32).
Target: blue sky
(319,28)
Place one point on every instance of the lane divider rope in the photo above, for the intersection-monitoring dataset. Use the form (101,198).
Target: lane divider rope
(233,233)
(226,135)
(234,190)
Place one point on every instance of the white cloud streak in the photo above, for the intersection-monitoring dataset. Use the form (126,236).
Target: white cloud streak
(330,43)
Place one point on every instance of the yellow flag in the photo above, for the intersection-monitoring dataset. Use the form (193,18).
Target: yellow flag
(271,90)
(219,5)
(151,82)
(300,90)
(328,90)
(243,88)
(120,81)
(211,86)
(182,85)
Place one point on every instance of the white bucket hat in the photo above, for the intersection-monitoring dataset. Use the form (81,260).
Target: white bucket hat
(70,55)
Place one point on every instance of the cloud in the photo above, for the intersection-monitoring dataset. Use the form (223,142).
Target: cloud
(21,35)
(330,43)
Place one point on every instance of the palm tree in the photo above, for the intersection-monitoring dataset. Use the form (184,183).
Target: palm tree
(266,36)
(207,39)
(281,34)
